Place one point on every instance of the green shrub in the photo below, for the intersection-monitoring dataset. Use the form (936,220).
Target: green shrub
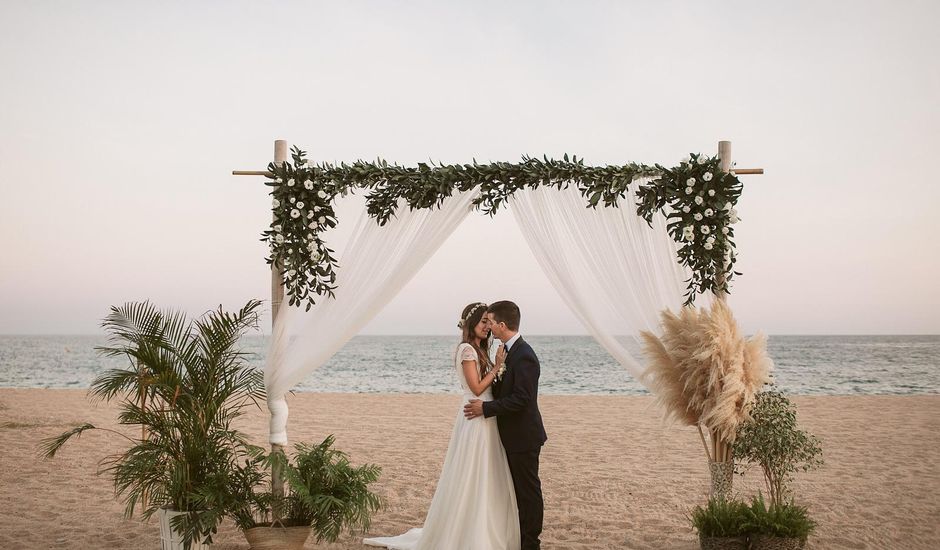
(324,491)
(778,520)
(720,518)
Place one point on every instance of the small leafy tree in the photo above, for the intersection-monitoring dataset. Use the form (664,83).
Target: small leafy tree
(771,439)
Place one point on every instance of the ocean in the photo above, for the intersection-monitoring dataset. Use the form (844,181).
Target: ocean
(806,365)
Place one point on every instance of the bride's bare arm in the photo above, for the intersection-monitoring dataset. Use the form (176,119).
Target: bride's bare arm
(472,375)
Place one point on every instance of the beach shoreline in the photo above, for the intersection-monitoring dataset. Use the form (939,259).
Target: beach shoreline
(613,475)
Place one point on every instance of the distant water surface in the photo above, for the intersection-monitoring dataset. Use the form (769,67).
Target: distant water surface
(827,365)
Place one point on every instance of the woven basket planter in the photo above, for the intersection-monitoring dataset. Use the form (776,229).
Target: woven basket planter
(277,538)
(723,543)
(767,542)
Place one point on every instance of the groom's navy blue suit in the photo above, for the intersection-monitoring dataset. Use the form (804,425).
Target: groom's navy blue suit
(515,406)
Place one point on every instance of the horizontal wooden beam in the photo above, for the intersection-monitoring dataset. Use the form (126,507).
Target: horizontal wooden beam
(737,171)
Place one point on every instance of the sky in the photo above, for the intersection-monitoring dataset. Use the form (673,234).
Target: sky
(120,124)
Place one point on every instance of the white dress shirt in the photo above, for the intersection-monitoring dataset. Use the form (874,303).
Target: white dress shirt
(512,341)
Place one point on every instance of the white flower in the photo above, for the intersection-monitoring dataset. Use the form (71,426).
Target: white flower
(290,182)
(321,194)
(699,200)
(686,209)
(705,230)
(711,192)
(311,245)
(688,232)
(309,236)
(315,257)
(688,190)
(308,184)
(727,207)
(292,272)
(724,230)
(293,200)
(278,228)
(709,212)
(290,250)
(701,160)
(708,246)
(313,225)
(316,208)
(276,203)
(690,182)
(309,214)
(710,239)
(733,216)
(300,204)
(295,213)
(279,239)
(322,220)
(698,216)
(707,176)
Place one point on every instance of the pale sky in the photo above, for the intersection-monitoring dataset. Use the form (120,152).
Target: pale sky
(120,124)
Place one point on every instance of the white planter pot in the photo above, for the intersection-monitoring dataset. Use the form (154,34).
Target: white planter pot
(169,538)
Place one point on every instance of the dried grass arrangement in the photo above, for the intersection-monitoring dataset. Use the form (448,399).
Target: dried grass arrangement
(703,372)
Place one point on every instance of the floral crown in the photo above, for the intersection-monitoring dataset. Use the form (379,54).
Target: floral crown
(462,322)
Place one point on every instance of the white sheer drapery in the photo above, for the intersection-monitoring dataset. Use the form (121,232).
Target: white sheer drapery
(612,269)
(377,263)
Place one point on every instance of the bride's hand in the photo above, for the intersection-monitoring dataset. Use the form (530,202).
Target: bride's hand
(501,355)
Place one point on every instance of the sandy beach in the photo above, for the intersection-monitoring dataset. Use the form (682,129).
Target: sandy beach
(613,475)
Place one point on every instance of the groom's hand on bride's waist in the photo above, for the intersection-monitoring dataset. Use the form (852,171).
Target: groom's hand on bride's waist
(473,409)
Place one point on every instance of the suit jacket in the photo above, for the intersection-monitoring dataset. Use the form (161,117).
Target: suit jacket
(515,401)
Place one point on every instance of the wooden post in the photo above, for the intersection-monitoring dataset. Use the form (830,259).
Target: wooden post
(277,297)
(724,156)
(722,448)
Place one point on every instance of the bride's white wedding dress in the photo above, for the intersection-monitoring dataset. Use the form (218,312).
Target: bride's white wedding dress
(474,505)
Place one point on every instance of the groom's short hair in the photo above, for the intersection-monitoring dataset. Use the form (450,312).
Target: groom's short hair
(506,312)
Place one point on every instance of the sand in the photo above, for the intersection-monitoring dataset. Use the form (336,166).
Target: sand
(612,474)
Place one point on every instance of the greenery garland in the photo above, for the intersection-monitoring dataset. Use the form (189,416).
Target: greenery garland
(695,196)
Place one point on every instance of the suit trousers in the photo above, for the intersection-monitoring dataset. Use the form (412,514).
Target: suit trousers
(524,468)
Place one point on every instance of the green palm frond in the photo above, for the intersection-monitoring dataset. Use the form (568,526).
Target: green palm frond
(186,382)
(52,445)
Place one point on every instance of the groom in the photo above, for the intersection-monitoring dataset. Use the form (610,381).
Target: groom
(515,406)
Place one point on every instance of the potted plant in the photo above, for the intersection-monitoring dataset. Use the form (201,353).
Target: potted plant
(770,439)
(721,524)
(784,526)
(185,384)
(325,494)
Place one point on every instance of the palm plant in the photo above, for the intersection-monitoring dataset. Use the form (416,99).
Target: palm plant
(185,385)
(325,492)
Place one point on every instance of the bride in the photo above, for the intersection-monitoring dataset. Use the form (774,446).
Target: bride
(474,506)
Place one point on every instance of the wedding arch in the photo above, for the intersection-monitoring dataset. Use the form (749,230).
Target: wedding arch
(616,242)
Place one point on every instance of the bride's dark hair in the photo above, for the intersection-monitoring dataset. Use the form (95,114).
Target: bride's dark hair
(471,316)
